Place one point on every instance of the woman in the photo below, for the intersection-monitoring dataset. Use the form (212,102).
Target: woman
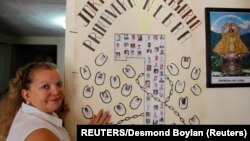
(35,94)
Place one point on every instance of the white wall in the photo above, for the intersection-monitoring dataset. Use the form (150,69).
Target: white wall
(214,106)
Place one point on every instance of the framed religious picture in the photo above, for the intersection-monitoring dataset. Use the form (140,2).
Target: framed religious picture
(228,47)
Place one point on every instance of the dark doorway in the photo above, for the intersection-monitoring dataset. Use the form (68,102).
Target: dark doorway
(23,54)
(13,56)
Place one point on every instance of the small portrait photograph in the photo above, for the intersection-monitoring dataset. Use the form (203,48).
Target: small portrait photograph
(149,51)
(118,37)
(161,66)
(139,53)
(148,114)
(139,46)
(147,84)
(149,37)
(149,67)
(161,73)
(155,107)
(126,44)
(149,44)
(156,71)
(155,78)
(132,52)
(149,59)
(126,52)
(156,49)
(117,55)
(133,36)
(147,120)
(162,52)
(155,37)
(117,45)
(156,57)
(139,37)
(155,122)
(126,37)
(148,98)
(155,92)
(132,45)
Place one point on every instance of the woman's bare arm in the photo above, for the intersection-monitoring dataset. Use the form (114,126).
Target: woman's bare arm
(42,134)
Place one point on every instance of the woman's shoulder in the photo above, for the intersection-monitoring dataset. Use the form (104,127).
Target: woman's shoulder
(38,134)
(42,134)
(24,124)
(24,119)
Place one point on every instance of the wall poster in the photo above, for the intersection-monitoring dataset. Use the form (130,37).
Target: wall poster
(143,60)
(228,46)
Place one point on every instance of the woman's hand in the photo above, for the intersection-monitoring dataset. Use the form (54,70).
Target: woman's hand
(63,111)
(102,118)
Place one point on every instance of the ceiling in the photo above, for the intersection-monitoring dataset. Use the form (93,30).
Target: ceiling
(31,17)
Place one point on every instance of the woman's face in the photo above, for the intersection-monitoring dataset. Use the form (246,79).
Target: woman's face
(46,90)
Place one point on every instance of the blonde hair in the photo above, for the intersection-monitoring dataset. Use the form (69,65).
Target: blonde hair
(11,103)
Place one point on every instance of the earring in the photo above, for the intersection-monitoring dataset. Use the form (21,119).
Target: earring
(27,102)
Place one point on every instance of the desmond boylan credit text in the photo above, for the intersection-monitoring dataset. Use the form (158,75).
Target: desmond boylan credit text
(162,131)
(132,132)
